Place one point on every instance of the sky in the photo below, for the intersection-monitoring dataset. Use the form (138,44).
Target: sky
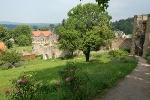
(54,11)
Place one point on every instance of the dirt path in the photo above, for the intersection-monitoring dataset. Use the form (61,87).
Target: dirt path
(135,86)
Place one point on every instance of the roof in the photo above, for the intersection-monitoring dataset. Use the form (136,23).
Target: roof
(2,46)
(45,33)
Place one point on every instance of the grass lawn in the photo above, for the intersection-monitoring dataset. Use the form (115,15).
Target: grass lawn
(102,73)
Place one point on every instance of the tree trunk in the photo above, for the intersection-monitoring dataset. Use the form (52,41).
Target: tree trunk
(87,55)
(72,54)
(13,65)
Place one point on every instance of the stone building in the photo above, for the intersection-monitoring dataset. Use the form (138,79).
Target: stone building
(44,37)
(44,43)
(141,35)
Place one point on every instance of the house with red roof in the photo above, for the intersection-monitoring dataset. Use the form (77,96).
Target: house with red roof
(44,37)
(2,47)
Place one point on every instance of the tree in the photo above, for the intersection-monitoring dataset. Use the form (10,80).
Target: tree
(89,21)
(23,40)
(22,30)
(11,57)
(46,28)
(35,27)
(70,36)
(102,3)
(52,26)
(4,36)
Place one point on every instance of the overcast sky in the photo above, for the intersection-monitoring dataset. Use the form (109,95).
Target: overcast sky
(53,11)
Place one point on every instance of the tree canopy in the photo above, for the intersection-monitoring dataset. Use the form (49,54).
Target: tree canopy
(5,36)
(69,36)
(102,3)
(24,32)
(92,24)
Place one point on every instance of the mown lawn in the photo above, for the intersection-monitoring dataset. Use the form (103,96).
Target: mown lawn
(102,73)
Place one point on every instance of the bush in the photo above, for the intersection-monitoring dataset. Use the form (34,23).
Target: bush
(118,54)
(126,49)
(72,85)
(148,57)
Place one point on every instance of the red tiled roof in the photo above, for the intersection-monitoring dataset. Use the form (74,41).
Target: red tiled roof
(2,46)
(45,33)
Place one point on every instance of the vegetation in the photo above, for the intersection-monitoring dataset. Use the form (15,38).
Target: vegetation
(70,37)
(22,33)
(99,75)
(118,54)
(103,3)
(11,57)
(124,25)
(5,36)
(92,25)
(148,57)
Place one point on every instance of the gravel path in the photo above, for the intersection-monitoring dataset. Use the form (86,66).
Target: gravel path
(135,86)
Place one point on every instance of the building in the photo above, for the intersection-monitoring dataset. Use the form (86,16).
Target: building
(2,47)
(44,37)
(119,34)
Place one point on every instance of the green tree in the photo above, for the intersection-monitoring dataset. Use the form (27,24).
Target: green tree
(102,3)
(24,40)
(85,18)
(11,57)
(52,26)
(46,28)
(35,27)
(22,30)
(5,36)
(70,36)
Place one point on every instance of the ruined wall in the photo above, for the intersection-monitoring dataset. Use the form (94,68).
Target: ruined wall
(146,48)
(121,43)
(141,26)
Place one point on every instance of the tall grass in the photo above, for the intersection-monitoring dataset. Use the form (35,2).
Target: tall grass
(102,75)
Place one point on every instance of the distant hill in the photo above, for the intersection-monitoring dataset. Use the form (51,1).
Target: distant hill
(11,25)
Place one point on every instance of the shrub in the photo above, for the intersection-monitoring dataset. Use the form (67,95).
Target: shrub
(148,57)
(118,54)
(72,85)
(11,57)
(24,88)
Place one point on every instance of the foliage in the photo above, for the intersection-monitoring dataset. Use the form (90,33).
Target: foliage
(24,40)
(103,3)
(4,36)
(4,33)
(35,27)
(101,76)
(24,87)
(124,25)
(46,28)
(148,57)
(22,31)
(70,37)
(73,83)
(93,25)
(11,57)
(118,54)
(52,27)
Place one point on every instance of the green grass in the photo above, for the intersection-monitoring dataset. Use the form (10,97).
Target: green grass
(24,48)
(103,74)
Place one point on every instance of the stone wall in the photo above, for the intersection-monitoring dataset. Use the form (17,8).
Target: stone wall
(141,26)
(121,43)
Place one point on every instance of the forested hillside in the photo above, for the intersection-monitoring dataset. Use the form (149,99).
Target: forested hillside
(124,25)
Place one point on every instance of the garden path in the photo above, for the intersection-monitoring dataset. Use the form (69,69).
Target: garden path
(135,86)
